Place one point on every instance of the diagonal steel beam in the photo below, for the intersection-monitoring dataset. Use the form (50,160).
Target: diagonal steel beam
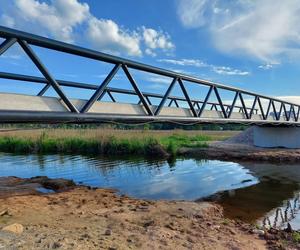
(111,96)
(137,90)
(148,99)
(298,113)
(285,112)
(280,111)
(187,98)
(220,102)
(47,75)
(205,101)
(268,109)
(176,103)
(292,112)
(7,44)
(275,111)
(253,107)
(164,99)
(101,96)
(44,89)
(97,94)
(233,104)
(243,105)
(261,109)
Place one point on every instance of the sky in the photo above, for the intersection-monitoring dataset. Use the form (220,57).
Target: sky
(249,44)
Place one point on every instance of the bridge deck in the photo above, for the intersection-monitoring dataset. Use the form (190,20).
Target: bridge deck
(27,108)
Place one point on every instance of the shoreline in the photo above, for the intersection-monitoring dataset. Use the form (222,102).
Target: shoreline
(238,152)
(77,217)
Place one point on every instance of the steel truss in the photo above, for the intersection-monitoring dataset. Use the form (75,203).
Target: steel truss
(287,114)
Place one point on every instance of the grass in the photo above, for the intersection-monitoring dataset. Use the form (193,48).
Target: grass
(105,141)
(296,237)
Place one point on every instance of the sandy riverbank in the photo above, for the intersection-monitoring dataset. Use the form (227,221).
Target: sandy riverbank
(84,218)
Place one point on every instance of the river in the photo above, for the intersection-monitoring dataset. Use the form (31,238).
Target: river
(257,193)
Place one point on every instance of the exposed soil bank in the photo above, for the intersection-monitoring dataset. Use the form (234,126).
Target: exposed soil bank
(243,152)
(13,186)
(84,218)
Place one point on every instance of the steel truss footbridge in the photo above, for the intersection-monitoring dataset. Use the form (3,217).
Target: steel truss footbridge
(243,107)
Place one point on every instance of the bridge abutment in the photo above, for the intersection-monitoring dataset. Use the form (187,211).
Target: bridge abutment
(274,137)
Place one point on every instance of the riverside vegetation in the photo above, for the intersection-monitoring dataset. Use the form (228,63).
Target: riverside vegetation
(106,141)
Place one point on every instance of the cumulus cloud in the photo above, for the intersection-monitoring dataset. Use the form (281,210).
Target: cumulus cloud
(57,19)
(267,30)
(156,40)
(72,21)
(106,34)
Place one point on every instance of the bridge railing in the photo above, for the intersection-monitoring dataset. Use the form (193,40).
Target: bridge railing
(268,108)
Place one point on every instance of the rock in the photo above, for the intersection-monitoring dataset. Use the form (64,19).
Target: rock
(259,232)
(107,232)
(14,228)
(55,245)
(270,237)
(4,212)
(149,223)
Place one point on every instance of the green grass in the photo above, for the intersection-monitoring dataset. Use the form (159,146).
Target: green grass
(109,144)
(174,142)
(296,237)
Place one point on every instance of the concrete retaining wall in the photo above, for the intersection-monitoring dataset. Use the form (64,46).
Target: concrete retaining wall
(271,137)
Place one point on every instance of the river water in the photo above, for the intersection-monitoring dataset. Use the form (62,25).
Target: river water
(262,193)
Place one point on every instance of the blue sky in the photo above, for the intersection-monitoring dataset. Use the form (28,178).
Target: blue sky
(252,45)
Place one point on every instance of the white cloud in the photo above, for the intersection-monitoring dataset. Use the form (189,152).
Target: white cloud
(57,19)
(185,62)
(192,12)
(160,80)
(222,70)
(107,35)
(156,40)
(72,21)
(267,30)
(267,66)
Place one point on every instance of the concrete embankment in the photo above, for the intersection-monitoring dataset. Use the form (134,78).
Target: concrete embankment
(241,148)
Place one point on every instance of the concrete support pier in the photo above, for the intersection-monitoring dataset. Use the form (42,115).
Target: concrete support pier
(275,137)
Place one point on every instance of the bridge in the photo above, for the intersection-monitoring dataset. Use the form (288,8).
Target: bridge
(189,108)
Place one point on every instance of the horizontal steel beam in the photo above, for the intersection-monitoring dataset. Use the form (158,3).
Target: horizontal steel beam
(92,54)
(58,117)
(36,79)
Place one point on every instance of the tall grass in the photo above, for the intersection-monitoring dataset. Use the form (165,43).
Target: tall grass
(104,141)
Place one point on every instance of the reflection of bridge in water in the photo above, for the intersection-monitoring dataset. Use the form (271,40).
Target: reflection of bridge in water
(283,214)
(273,201)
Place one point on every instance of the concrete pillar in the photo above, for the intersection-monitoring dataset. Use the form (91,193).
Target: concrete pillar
(274,137)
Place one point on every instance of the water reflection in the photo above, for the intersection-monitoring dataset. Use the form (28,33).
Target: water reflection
(248,191)
(272,202)
(180,179)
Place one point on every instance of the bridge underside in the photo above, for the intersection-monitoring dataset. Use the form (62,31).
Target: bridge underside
(18,108)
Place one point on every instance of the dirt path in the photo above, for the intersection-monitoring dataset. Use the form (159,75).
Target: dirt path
(83,218)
